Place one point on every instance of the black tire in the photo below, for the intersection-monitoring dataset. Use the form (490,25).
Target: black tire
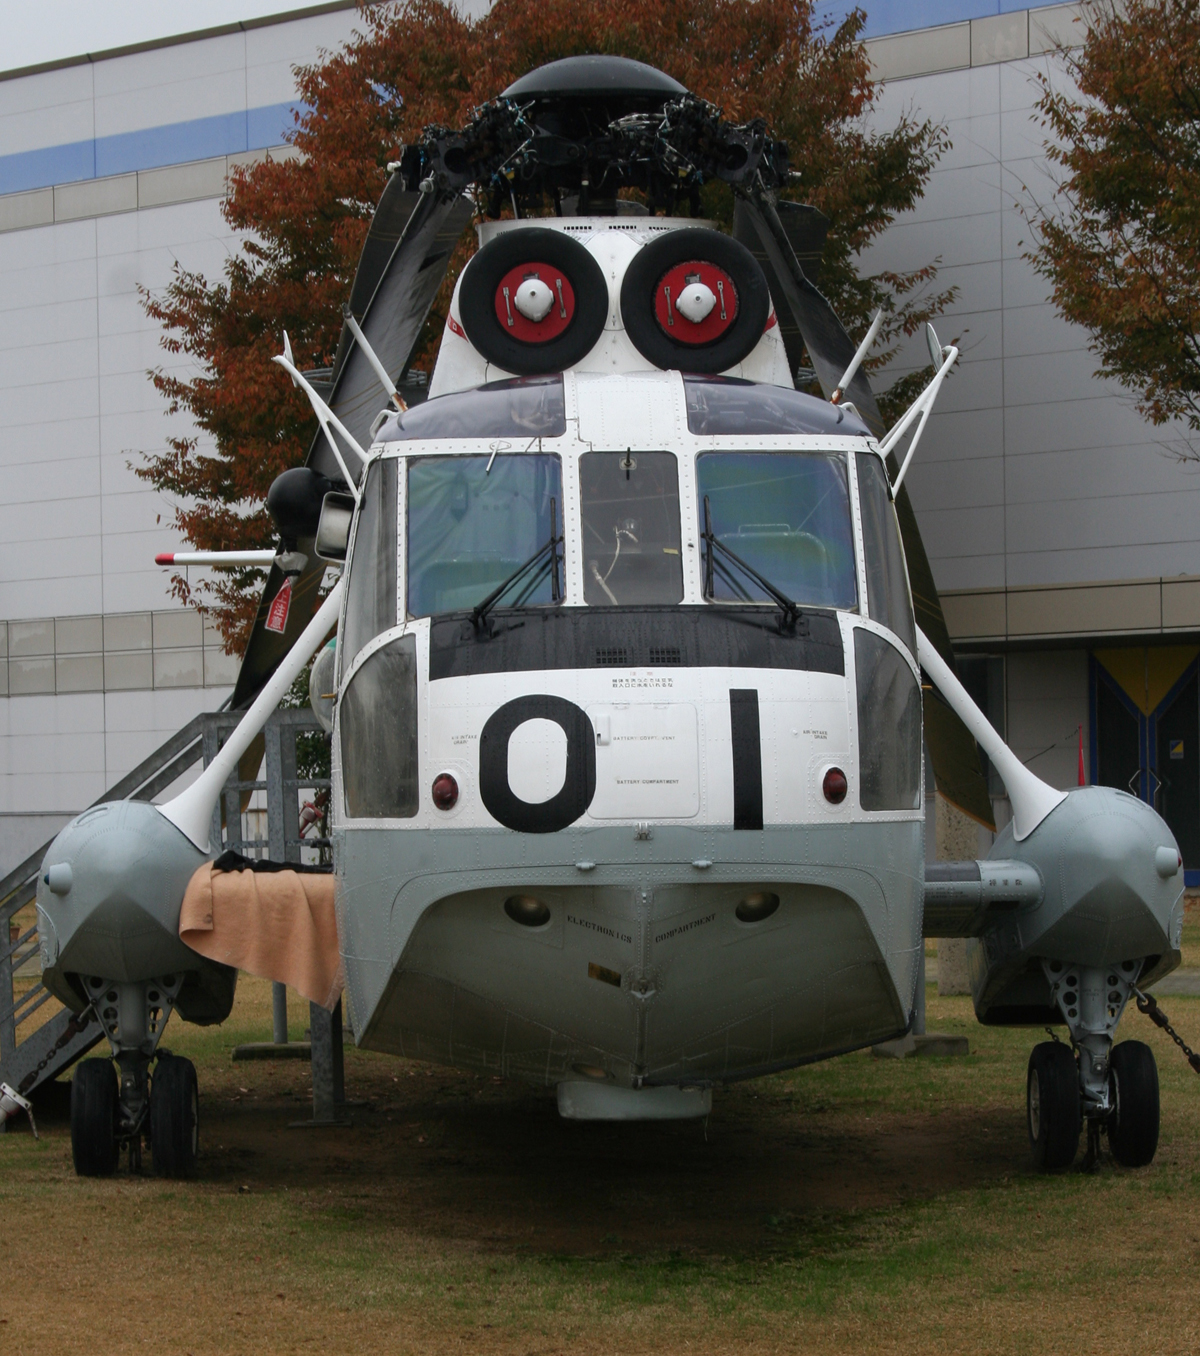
(174,1117)
(1133,1089)
(679,247)
(94,1097)
(477,301)
(1054,1112)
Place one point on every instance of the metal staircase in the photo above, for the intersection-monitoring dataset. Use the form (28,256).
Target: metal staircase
(52,1047)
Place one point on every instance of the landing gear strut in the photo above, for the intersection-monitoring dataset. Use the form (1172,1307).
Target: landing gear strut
(110,1112)
(1113,1089)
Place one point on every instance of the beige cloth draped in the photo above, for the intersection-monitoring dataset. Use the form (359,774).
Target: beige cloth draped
(279,925)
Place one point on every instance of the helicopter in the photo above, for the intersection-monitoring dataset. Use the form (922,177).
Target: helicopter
(626,700)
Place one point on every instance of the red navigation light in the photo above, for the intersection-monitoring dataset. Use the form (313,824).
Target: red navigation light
(445,791)
(834,786)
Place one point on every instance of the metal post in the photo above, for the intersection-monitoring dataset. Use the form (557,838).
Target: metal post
(328,1070)
(918,1025)
(279,1025)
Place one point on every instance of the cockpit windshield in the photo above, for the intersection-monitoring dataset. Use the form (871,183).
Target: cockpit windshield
(472,520)
(629,509)
(786,514)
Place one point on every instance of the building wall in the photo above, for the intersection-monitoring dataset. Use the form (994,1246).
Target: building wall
(111,173)
(1033,471)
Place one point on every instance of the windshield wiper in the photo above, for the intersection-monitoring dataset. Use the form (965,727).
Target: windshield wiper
(713,544)
(482,609)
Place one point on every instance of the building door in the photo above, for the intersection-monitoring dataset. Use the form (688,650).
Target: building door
(1145,719)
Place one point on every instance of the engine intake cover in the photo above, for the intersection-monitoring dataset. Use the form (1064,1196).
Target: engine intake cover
(706,262)
(505,332)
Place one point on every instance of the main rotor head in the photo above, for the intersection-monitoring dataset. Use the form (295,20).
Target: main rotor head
(573,133)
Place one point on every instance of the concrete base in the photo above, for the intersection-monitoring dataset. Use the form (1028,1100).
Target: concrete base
(269,1050)
(952,974)
(586,1101)
(932,1044)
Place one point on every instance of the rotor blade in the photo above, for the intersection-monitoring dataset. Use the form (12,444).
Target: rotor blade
(401,268)
(802,309)
(266,649)
(399,303)
(806,229)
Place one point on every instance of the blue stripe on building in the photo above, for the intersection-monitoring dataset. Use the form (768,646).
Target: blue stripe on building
(172,144)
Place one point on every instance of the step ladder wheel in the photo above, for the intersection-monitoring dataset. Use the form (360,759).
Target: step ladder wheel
(1133,1095)
(1053,1106)
(94,1098)
(174,1117)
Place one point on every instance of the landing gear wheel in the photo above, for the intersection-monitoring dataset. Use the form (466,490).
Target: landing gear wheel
(1054,1114)
(1133,1090)
(94,1118)
(174,1117)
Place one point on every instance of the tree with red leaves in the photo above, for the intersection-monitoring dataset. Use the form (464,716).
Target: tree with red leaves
(1123,251)
(418,62)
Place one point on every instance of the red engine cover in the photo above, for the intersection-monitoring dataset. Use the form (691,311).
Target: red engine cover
(559,315)
(678,327)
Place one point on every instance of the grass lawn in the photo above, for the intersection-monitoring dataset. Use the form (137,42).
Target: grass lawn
(858,1205)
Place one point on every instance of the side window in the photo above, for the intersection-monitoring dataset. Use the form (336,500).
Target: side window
(889,726)
(629,505)
(888,598)
(378,725)
(371,587)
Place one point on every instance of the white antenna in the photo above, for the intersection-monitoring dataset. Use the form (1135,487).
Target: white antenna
(1032,799)
(192,810)
(369,353)
(325,415)
(856,362)
(923,405)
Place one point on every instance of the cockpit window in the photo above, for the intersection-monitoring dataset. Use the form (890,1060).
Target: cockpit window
(888,600)
(371,589)
(629,504)
(787,515)
(473,521)
(522,407)
(729,405)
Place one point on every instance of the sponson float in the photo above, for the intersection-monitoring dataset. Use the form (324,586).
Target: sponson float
(626,697)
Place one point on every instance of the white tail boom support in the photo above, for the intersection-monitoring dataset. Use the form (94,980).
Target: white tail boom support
(376,366)
(856,362)
(192,810)
(923,406)
(325,416)
(1032,799)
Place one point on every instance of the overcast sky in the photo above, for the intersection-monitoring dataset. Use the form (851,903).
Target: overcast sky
(34,31)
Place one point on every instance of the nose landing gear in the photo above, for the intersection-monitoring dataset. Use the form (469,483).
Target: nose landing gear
(108,1114)
(1113,1088)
